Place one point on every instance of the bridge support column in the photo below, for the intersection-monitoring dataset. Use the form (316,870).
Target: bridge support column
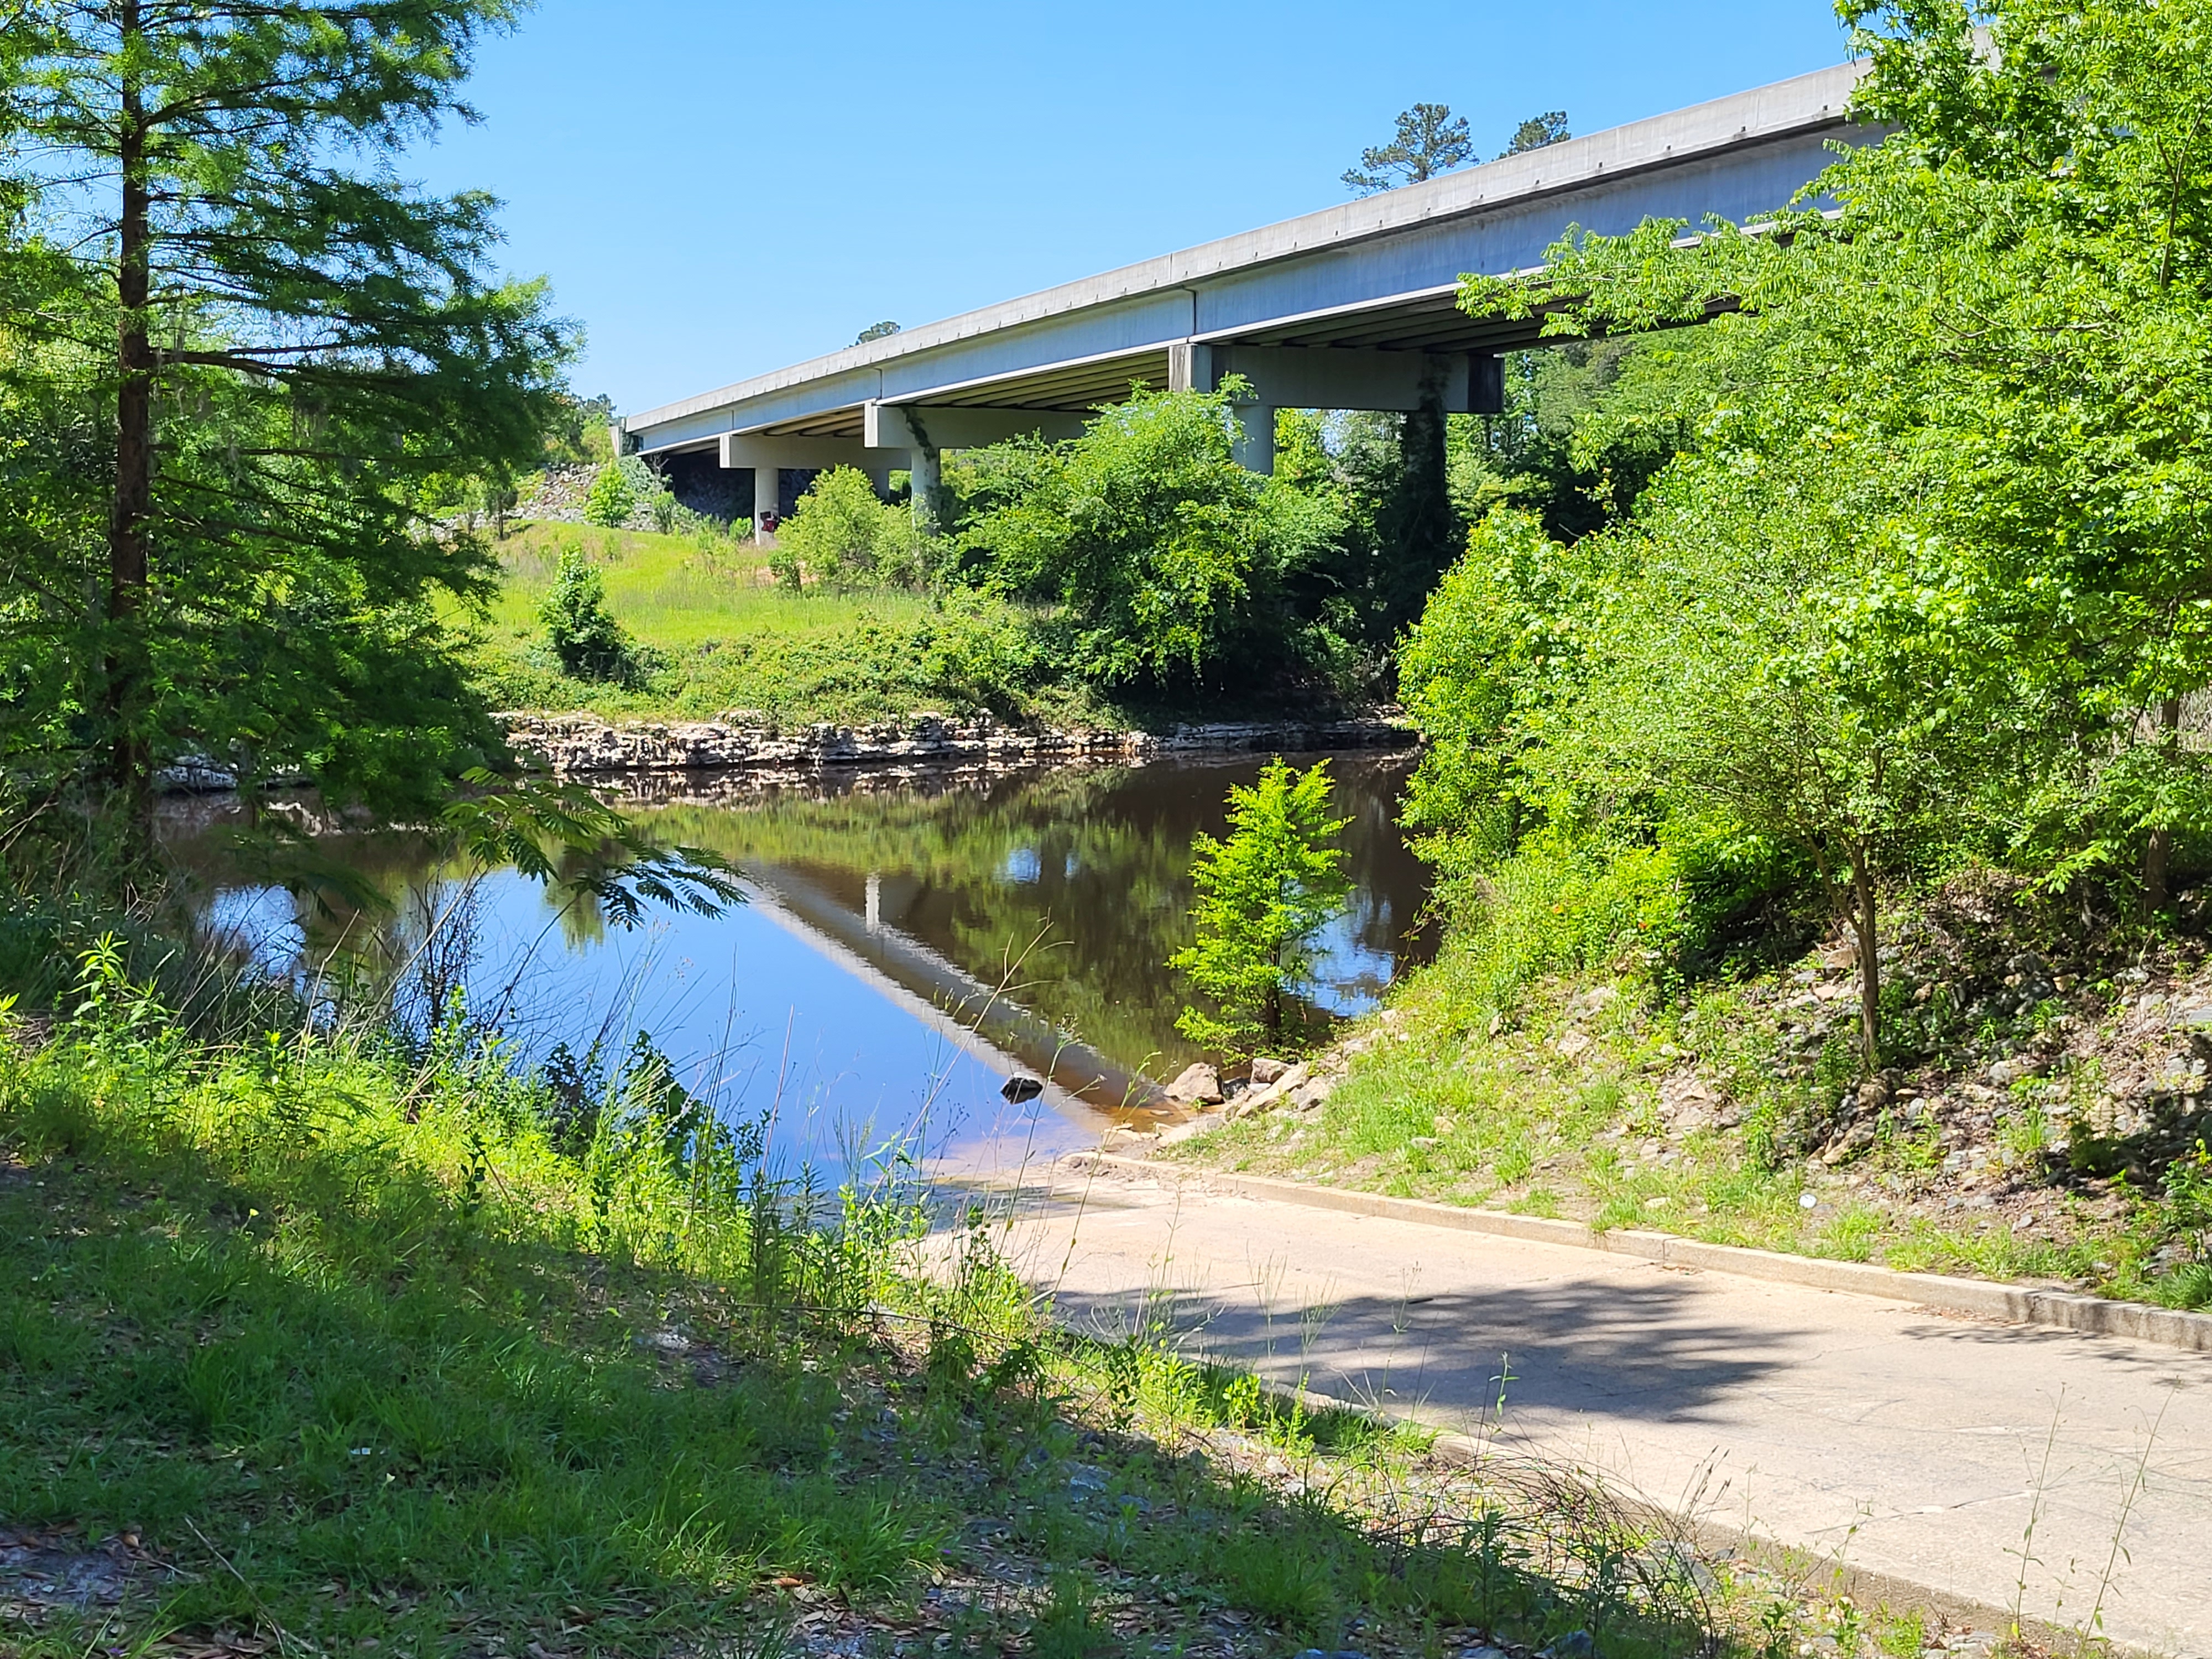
(1194,366)
(1255,443)
(927,473)
(767,457)
(767,497)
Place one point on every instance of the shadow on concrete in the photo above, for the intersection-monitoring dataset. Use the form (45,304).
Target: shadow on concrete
(1567,1348)
(2101,1349)
(1651,1348)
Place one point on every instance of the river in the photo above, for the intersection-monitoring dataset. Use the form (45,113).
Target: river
(909,942)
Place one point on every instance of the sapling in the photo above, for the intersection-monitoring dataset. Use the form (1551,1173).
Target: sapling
(1263,895)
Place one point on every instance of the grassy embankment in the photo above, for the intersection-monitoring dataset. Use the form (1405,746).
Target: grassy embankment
(306,1345)
(718,636)
(2040,1120)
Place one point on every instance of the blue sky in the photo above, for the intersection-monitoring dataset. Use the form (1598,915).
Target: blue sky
(717,189)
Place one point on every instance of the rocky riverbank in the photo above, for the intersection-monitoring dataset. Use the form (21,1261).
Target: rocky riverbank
(574,745)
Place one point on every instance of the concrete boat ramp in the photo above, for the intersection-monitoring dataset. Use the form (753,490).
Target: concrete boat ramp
(1916,1445)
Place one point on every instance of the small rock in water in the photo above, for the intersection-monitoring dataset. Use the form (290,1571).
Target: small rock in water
(1018,1088)
(1266,1071)
(1330,1653)
(1575,1645)
(1199,1083)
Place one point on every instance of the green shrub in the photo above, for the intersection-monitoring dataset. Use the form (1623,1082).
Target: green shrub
(844,537)
(1164,552)
(583,633)
(610,499)
(1557,906)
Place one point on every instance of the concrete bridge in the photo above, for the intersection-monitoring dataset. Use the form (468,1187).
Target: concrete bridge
(1349,309)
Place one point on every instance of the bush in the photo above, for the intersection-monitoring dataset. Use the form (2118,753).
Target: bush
(1262,896)
(610,499)
(844,537)
(1164,551)
(583,633)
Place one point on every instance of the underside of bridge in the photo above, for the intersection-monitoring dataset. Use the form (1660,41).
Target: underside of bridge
(1385,358)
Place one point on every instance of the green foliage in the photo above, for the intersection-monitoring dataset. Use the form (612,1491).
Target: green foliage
(1165,554)
(368,1288)
(843,537)
(1587,425)
(583,633)
(580,434)
(1263,895)
(1501,647)
(211,232)
(1961,351)
(610,499)
(1920,578)
(708,637)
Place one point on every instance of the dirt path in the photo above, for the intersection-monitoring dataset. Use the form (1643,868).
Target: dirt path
(1916,1445)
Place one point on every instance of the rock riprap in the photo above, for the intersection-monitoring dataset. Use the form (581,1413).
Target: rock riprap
(583,745)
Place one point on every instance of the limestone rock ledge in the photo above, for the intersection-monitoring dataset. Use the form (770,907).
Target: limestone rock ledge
(583,745)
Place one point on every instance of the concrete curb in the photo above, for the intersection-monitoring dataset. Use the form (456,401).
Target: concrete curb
(1978,1298)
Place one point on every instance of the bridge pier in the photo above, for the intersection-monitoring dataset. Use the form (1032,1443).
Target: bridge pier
(925,432)
(1333,377)
(926,473)
(1254,445)
(768,458)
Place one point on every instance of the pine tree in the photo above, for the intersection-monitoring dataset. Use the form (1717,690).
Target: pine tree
(1430,140)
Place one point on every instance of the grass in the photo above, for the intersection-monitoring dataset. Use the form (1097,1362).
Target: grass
(719,636)
(329,1346)
(1550,1103)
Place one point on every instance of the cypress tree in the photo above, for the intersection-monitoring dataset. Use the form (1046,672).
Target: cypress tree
(294,345)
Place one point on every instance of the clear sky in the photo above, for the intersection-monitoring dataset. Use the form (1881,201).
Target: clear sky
(718,189)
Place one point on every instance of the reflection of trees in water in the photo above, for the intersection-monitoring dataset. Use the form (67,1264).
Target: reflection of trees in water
(407,956)
(1088,872)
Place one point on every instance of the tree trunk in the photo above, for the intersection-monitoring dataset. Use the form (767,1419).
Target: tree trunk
(2158,851)
(131,760)
(1863,900)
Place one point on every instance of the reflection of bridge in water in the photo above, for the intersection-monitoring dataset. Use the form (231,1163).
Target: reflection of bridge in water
(987,1021)
(1353,307)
